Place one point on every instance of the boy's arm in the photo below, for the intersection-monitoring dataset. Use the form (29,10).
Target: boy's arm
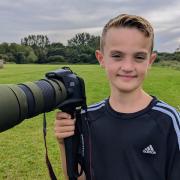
(63,159)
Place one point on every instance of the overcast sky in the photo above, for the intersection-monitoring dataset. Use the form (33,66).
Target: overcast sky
(60,20)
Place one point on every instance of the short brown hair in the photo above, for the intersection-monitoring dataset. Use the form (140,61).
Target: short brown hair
(129,21)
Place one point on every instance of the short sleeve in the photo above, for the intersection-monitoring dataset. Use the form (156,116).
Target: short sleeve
(173,155)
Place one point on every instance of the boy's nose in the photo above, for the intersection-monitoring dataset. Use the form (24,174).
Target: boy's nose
(127,65)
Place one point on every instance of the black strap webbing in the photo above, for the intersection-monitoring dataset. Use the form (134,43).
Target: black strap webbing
(48,163)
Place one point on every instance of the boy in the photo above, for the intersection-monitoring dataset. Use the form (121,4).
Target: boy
(134,136)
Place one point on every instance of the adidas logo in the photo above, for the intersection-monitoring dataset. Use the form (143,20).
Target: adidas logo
(149,150)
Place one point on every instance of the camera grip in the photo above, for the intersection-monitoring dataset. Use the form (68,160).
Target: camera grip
(71,152)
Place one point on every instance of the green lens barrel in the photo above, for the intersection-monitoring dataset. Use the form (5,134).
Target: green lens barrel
(10,106)
(26,100)
(37,95)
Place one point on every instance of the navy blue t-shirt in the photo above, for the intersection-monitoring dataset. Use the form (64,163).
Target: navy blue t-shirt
(144,145)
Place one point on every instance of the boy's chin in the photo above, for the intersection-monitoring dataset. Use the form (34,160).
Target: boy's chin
(127,89)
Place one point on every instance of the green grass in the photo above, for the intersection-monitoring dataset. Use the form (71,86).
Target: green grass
(22,147)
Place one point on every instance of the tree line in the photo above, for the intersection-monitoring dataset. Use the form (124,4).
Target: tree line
(38,49)
(79,49)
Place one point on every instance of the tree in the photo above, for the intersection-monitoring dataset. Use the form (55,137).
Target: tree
(41,54)
(31,57)
(4,57)
(21,54)
(56,49)
(94,42)
(40,44)
(4,48)
(80,39)
(20,57)
(71,55)
(82,48)
(56,59)
(35,41)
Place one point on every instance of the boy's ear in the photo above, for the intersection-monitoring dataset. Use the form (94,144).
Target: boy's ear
(152,58)
(100,58)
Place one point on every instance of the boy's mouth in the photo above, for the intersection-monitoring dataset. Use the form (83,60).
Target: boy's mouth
(127,77)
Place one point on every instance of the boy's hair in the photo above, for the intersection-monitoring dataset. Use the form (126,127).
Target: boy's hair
(129,21)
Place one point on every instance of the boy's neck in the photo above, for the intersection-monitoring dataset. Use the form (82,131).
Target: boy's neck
(129,102)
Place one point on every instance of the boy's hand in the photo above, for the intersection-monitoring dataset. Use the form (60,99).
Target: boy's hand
(64,126)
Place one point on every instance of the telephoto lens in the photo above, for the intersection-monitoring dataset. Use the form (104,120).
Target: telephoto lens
(26,100)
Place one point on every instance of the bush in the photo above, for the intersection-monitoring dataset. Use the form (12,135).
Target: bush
(171,64)
(56,59)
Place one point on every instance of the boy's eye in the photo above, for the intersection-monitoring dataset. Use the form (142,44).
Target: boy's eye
(140,58)
(116,56)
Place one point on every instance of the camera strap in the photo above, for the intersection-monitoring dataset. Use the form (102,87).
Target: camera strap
(48,163)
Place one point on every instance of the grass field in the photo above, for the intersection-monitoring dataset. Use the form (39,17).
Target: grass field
(22,148)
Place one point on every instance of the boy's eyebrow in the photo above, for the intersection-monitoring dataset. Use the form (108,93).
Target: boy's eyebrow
(141,53)
(116,51)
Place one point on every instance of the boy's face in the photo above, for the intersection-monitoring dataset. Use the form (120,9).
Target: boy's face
(126,58)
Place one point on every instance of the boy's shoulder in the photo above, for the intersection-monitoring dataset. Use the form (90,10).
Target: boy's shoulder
(164,108)
(167,117)
(96,106)
(95,109)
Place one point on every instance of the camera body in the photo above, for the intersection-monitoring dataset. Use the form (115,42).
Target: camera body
(74,85)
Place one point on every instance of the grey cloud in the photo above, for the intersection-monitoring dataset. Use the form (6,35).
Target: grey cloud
(168,39)
(21,17)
